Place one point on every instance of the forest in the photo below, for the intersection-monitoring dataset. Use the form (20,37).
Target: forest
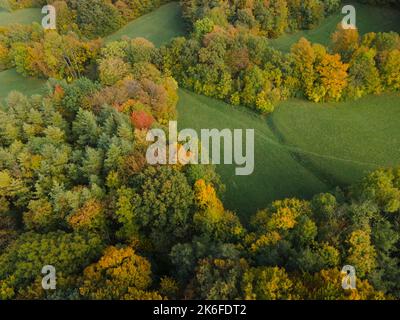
(77,193)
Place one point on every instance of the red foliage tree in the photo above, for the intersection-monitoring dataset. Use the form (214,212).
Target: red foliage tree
(141,119)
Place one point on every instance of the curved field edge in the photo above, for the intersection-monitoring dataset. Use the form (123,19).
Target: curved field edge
(159,26)
(344,140)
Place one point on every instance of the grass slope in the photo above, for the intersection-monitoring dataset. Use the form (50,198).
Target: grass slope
(303,148)
(22,16)
(159,26)
(341,142)
(369,19)
(277,174)
(10,80)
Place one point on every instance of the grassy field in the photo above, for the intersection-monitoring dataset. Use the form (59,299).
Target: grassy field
(10,80)
(158,26)
(369,19)
(23,16)
(303,148)
(277,174)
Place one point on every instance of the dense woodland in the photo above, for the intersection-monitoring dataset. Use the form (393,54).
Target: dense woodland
(76,191)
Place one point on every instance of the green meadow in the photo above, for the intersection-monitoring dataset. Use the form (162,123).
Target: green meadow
(10,80)
(277,174)
(159,26)
(303,148)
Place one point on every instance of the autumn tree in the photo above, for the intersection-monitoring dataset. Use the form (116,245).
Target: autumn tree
(218,278)
(381,186)
(363,73)
(332,78)
(390,70)
(324,76)
(345,41)
(112,70)
(327,285)
(160,207)
(361,253)
(119,274)
(211,218)
(97,18)
(267,283)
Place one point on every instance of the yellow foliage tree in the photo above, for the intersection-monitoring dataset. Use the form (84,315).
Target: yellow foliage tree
(327,285)
(212,218)
(332,75)
(89,217)
(323,76)
(391,70)
(361,253)
(345,41)
(119,274)
(206,196)
(267,283)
